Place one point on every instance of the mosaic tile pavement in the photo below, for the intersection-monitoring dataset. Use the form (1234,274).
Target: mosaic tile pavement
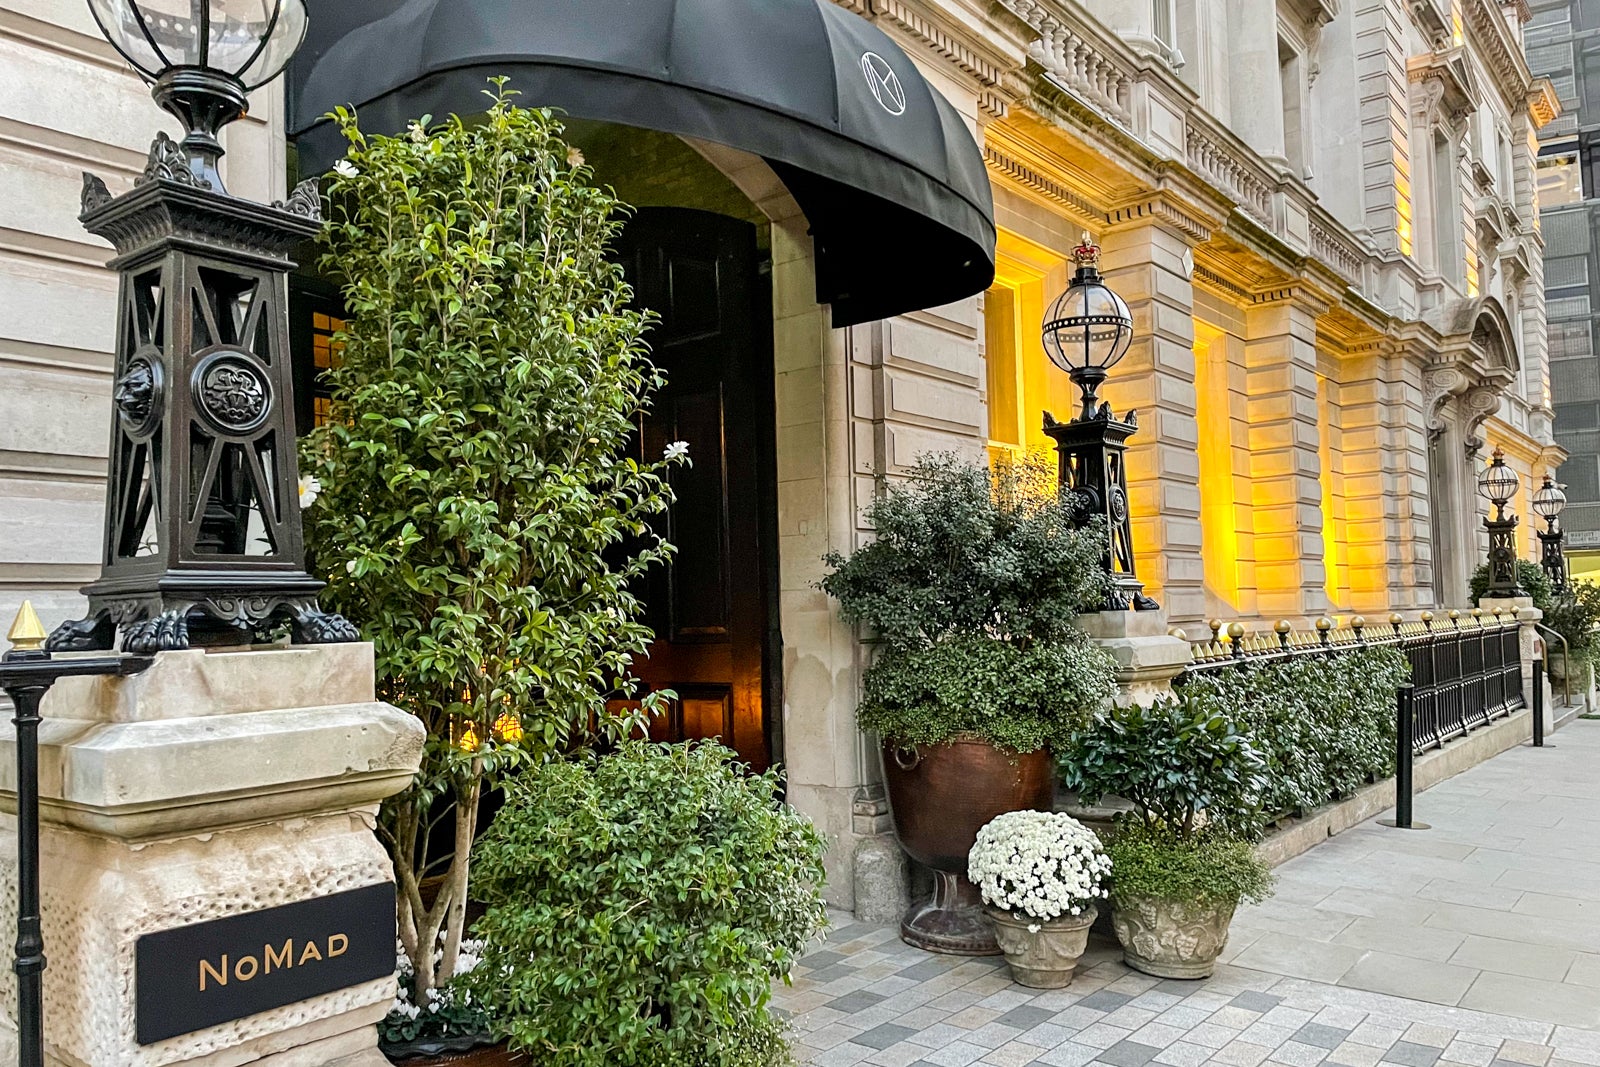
(864,997)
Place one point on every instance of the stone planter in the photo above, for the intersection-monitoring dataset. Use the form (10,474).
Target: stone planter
(1173,939)
(1046,958)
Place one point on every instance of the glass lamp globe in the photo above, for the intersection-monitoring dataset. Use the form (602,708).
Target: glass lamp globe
(1548,499)
(1088,328)
(202,56)
(1497,483)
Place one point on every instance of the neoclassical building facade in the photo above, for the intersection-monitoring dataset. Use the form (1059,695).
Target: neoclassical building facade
(1321,212)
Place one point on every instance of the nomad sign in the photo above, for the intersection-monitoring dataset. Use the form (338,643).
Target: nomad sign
(209,973)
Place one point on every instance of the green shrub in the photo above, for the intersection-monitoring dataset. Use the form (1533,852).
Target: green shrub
(972,586)
(1174,759)
(1152,863)
(1535,583)
(640,905)
(973,684)
(1574,617)
(1323,724)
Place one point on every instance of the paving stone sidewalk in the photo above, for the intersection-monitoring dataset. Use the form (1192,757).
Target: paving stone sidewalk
(1474,944)
(864,997)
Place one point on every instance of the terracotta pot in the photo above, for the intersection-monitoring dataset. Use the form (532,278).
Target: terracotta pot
(482,1056)
(1045,958)
(940,797)
(1173,939)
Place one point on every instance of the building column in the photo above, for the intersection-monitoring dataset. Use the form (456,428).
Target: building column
(1285,464)
(1255,87)
(1149,265)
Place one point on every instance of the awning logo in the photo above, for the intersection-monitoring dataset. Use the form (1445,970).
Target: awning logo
(884,83)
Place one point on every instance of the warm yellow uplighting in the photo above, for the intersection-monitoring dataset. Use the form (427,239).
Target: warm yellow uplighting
(508,727)
(1218,523)
(467,739)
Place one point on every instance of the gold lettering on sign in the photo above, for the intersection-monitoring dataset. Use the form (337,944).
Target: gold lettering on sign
(219,977)
(278,959)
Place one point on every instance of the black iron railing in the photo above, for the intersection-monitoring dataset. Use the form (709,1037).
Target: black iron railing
(1466,667)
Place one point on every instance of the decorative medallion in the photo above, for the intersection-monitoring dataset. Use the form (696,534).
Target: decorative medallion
(1119,504)
(232,392)
(139,394)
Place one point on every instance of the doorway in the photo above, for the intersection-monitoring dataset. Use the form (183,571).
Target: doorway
(714,605)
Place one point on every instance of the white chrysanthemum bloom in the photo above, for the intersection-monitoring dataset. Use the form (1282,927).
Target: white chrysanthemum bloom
(310,489)
(345,169)
(676,450)
(1040,864)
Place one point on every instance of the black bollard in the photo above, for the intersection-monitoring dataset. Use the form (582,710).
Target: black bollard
(1405,745)
(1538,703)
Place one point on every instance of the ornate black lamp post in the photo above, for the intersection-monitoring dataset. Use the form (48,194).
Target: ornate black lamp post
(202,535)
(1086,331)
(1497,483)
(1548,500)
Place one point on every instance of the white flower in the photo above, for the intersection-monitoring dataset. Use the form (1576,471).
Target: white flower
(310,489)
(418,134)
(350,566)
(676,450)
(1040,864)
(345,169)
(574,157)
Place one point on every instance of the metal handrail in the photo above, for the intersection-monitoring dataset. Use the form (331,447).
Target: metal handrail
(1566,662)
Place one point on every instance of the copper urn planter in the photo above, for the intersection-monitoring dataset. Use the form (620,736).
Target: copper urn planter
(940,797)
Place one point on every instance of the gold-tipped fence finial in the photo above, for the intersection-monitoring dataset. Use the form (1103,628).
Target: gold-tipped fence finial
(27,633)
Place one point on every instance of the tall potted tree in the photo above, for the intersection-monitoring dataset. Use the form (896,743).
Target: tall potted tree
(478,518)
(970,589)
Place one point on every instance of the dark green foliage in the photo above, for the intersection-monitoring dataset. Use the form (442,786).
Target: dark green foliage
(1154,863)
(1574,616)
(972,587)
(1174,759)
(640,905)
(1535,583)
(1324,724)
(974,684)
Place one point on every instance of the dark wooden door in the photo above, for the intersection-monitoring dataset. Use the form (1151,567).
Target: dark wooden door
(712,606)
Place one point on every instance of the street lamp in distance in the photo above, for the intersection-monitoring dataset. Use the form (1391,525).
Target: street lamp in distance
(1548,502)
(1497,483)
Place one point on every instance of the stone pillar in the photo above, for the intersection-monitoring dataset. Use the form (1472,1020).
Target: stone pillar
(1285,465)
(1148,658)
(1381,49)
(1255,88)
(1150,264)
(213,785)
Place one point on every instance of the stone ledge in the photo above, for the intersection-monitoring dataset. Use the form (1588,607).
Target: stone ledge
(195,682)
(1430,769)
(138,780)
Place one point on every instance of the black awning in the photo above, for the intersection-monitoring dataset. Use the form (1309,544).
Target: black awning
(887,172)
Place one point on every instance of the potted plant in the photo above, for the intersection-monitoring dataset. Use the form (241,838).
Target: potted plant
(640,905)
(478,516)
(970,590)
(1042,875)
(1182,859)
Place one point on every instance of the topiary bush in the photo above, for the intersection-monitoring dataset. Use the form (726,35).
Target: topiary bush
(1324,725)
(640,905)
(480,519)
(1574,616)
(971,589)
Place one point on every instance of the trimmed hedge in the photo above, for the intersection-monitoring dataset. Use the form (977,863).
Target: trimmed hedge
(1325,724)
